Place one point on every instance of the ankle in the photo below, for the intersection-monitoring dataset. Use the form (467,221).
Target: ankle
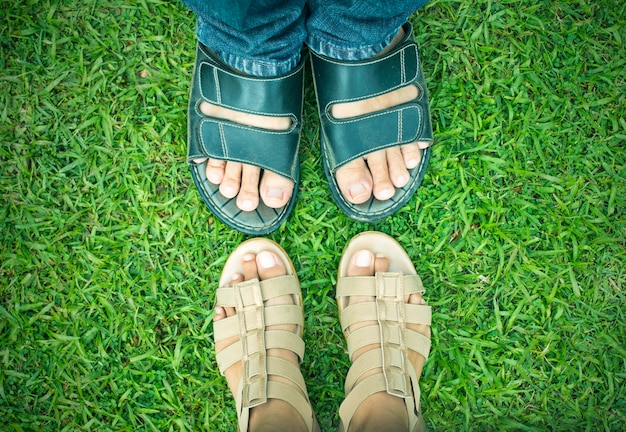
(380,411)
(275,415)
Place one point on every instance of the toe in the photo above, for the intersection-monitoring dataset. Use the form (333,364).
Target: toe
(275,190)
(250,270)
(397,168)
(248,197)
(362,264)
(220,313)
(231,182)
(411,154)
(269,265)
(355,181)
(381,264)
(383,187)
(215,170)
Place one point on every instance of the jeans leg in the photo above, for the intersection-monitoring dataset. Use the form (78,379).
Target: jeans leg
(259,37)
(356,29)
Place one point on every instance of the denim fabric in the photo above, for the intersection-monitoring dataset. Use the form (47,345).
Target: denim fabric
(357,29)
(265,37)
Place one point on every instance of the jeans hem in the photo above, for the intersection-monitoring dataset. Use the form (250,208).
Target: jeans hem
(335,51)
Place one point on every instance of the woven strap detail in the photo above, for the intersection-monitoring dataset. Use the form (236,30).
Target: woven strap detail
(249,323)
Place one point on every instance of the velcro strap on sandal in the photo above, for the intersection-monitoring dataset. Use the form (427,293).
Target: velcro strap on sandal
(352,80)
(340,81)
(363,135)
(281,96)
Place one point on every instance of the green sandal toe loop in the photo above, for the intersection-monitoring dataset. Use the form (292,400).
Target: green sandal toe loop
(208,137)
(343,140)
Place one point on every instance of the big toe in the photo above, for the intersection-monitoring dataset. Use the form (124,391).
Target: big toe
(269,265)
(275,189)
(355,181)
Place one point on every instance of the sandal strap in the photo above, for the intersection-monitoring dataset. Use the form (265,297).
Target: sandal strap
(367,285)
(391,313)
(281,96)
(339,81)
(270,288)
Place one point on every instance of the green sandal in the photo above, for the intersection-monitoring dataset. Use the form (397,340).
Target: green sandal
(343,140)
(208,137)
(390,313)
(249,325)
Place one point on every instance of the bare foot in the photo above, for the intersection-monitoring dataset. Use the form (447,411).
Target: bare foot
(381,172)
(247,182)
(381,411)
(275,415)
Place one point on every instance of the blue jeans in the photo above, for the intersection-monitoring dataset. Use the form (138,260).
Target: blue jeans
(265,37)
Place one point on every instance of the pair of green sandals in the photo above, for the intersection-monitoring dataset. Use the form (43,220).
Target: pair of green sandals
(277,151)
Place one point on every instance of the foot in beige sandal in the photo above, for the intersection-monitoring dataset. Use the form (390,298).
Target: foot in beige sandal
(387,326)
(258,327)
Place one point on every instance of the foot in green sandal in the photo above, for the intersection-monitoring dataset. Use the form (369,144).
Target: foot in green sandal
(382,387)
(243,139)
(381,172)
(258,323)
(375,128)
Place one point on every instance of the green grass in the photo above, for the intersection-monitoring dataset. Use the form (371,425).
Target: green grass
(109,260)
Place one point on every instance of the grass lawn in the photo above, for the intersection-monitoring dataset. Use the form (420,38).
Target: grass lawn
(109,259)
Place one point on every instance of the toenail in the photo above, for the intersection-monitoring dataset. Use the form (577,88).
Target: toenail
(356,189)
(402,180)
(247,204)
(412,163)
(229,191)
(215,178)
(266,260)
(363,259)
(248,257)
(385,194)
(275,193)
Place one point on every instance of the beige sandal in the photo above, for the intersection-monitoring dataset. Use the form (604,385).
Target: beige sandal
(392,313)
(249,323)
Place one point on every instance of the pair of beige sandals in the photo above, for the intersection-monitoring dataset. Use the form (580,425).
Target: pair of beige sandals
(389,311)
